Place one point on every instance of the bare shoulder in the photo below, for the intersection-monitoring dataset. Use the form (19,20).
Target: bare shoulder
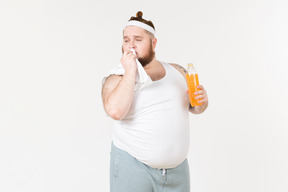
(113,78)
(181,69)
(110,83)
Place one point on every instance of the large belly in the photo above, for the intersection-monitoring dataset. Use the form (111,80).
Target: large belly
(159,143)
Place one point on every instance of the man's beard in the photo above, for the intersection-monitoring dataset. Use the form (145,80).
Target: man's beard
(147,58)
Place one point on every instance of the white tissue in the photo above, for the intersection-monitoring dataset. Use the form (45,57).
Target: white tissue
(142,79)
(133,51)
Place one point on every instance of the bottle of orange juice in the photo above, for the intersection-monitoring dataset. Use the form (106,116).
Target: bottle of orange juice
(192,83)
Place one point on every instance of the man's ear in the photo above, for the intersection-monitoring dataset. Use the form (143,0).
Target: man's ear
(154,42)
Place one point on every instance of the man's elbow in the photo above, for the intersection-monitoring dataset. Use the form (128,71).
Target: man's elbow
(115,113)
(115,116)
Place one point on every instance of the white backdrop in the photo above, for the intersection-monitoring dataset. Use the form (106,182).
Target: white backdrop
(54,133)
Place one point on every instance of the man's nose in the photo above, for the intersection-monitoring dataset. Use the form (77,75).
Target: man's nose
(132,44)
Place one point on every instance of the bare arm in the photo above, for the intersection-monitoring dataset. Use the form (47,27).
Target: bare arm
(201,94)
(118,91)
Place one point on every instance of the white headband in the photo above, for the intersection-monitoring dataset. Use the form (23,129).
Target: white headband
(142,25)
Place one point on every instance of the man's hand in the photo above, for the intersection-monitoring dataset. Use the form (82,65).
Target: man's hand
(128,61)
(201,95)
(202,98)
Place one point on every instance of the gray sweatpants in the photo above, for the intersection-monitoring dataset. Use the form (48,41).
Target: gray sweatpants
(127,174)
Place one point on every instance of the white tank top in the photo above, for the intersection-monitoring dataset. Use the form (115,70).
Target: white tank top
(156,129)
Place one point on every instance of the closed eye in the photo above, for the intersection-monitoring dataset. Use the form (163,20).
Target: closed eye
(126,39)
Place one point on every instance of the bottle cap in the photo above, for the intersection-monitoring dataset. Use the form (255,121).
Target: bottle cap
(190,64)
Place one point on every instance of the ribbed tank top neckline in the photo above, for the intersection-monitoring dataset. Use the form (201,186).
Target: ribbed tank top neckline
(166,72)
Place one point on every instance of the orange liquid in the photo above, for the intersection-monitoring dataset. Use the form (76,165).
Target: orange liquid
(192,83)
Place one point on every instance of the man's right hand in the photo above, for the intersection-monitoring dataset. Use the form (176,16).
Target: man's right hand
(128,61)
